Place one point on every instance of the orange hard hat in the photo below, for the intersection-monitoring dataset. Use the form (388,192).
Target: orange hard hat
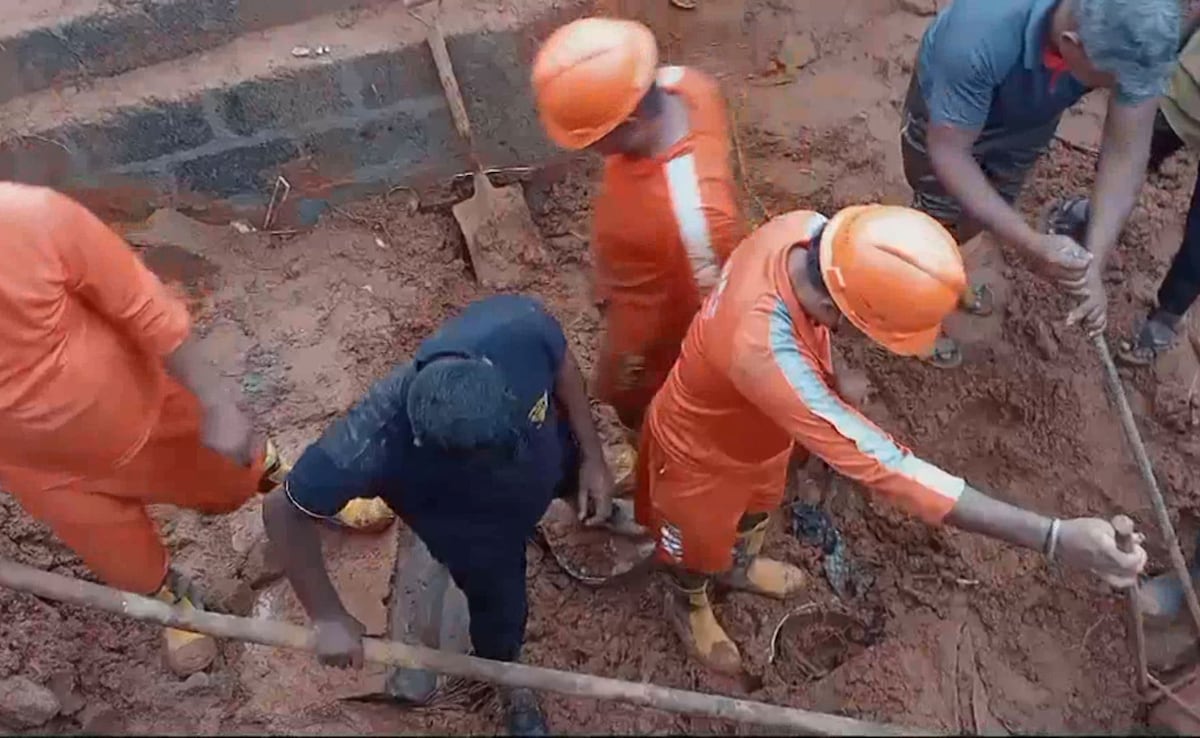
(589,77)
(894,272)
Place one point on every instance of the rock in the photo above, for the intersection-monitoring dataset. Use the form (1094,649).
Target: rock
(1044,339)
(196,683)
(797,51)
(26,704)
(262,566)
(918,7)
(187,653)
(62,684)
(1171,647)
(99,718)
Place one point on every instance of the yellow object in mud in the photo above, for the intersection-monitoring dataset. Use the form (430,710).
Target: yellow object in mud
(366,515)
(275,469)
(752,572)
(186,653)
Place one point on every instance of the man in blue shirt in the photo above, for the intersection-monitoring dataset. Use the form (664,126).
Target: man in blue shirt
(469,444)
(991,83)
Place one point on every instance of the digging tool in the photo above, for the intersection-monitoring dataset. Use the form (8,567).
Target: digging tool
(495,221)
(1152,491)
(285,635)
(1123,525)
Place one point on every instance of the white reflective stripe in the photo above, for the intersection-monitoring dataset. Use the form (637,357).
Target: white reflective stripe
(670,76)
(825,404)
(287,490)
(684,186)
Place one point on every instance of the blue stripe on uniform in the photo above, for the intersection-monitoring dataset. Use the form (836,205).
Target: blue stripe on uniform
(812,390)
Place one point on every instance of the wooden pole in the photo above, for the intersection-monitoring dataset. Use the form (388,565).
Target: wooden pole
(1147,470)
(285,635)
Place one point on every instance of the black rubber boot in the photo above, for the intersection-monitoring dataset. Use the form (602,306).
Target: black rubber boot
(522,713)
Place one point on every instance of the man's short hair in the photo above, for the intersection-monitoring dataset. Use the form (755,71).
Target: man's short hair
(463,405)
(1134,40)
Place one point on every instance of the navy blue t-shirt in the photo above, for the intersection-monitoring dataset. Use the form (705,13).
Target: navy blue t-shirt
(457,506)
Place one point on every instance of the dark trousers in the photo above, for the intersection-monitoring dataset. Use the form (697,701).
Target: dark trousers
(492,576)
(1181,286)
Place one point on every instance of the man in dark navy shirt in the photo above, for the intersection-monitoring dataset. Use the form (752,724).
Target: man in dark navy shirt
(992,81)
(469,444)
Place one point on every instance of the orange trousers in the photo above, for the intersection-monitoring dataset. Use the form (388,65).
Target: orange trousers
(636,354)
(104,518)
(693,513)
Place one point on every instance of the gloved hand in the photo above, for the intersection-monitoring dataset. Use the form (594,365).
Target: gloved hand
(339,641)
(1091,544)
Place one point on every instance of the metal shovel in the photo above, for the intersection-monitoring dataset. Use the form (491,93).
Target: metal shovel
(501,236)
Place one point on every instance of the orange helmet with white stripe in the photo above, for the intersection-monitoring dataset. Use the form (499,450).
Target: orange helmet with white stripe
(894,272)
(589,77)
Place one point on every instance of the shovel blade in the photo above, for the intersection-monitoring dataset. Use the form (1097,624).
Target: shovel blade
(502,240)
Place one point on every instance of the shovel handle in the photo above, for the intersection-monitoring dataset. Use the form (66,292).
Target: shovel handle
(445,72)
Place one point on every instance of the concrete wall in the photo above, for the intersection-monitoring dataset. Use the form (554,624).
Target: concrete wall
(335,130)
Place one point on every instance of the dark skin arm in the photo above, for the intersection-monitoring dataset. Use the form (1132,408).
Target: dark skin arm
(595,479)
(1058,257)
(1084,543)
(1124,153)
(226,429)
(294,535)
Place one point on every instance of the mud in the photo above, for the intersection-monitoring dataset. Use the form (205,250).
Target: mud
(964,634)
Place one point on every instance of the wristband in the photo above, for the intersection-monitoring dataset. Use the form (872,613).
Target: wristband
(1051,546)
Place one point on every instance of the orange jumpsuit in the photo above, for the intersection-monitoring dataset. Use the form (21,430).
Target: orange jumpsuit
(663,226)
(92,429)
(755,377)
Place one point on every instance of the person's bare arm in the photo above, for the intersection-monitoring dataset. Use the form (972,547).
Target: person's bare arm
(596,482)
(962,176)
(294,535)
(1124,153)
(226,429)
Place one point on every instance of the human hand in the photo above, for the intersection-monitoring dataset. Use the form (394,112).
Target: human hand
(339,641)
(854,387)
(1091,544)
(227,430)
(1061,259)
(595,484)
(1092,313)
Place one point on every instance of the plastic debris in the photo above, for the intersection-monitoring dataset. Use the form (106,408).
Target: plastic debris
(848,577)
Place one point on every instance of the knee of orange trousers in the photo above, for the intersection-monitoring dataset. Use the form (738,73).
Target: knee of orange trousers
(115,538)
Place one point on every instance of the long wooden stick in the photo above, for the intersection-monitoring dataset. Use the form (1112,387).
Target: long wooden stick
(285,635)
(1123,525)
(1152,491)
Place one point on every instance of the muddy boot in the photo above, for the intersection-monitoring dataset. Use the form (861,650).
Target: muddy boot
(691,615)
(522,713)
(186,653)
(758,574)
(1156,336)
(275,470)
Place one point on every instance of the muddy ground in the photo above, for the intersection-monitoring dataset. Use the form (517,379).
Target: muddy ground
(961,634)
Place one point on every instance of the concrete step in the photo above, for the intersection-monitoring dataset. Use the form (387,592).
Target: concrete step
(57,43)
(223,124)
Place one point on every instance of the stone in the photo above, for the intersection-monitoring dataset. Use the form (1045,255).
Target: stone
(262,567)
(1044,339)
(196,683)
(187,653)
(100,718)
(796,51)
(26,704)
(63,685)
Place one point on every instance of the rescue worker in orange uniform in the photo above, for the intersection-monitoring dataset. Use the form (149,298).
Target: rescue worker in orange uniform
(106,405)
(755,379)
(666,217)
